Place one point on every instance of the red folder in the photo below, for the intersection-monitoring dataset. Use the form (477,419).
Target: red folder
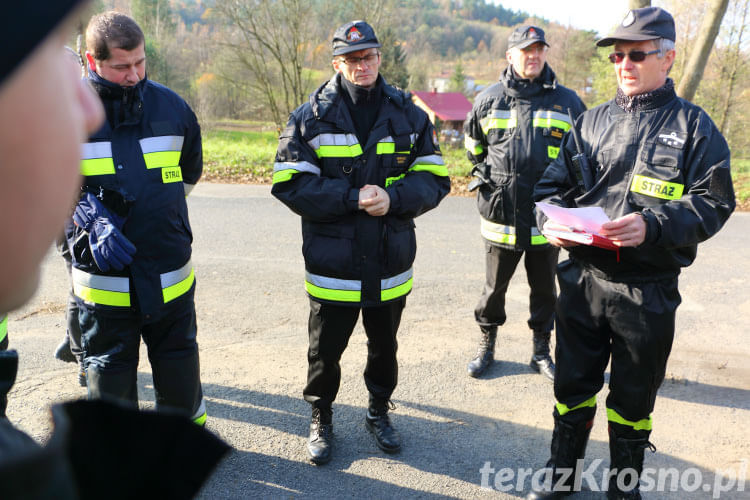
(585,238)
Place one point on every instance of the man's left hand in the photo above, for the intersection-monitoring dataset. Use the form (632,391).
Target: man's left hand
(374,200)
(627,231)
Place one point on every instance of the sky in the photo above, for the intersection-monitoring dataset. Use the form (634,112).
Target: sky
(598,15)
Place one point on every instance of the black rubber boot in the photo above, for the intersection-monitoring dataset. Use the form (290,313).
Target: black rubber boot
(485,352)
(568,445)
(320,441)
(63,352)
(626,458)
(378,423)
(541,362)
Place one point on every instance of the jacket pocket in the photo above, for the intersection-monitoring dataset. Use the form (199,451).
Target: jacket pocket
(495,199)
(658,176)
(328,249)
(399,245)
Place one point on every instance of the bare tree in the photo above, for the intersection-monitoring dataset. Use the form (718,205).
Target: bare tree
(271,41)
(734,60)
(697,63)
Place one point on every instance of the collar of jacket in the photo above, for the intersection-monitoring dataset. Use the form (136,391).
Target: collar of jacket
(329,95)
(649,100)
(123,105)
(520,87)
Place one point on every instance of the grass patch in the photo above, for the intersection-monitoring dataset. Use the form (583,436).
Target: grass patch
(741,180)
(231,155)
(239,156)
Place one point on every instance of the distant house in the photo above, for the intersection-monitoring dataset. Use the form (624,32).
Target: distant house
(447,110)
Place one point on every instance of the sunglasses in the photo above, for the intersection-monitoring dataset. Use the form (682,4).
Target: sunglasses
(633,55)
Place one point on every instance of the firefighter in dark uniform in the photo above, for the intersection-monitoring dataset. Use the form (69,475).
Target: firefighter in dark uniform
(512,133)
(131,238)
(660,171)
(357,162)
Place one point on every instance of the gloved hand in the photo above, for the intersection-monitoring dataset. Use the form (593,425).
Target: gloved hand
(89,208)
(110,248)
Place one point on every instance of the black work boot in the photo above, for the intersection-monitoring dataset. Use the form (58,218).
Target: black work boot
(541,362)
(8,370)
(63,352)
(626,465)
(378,423)
(485,352)
(568,445)
(320,441)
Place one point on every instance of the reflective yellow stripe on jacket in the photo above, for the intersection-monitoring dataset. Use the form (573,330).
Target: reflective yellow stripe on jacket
(3,328)
(115,290)
(548,119)
(500,233)
(283,171)
(96,159)
(335,146)
(499,119)
(164,152)
(341,290)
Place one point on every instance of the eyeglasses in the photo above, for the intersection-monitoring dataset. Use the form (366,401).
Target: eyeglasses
(369,59)
(633,55)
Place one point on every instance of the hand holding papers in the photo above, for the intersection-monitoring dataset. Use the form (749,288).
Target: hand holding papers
(578,225)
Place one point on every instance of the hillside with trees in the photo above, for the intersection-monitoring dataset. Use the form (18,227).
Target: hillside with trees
(256,59)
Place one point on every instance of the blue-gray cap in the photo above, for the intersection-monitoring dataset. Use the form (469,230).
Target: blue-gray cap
(353,36)
(647,23)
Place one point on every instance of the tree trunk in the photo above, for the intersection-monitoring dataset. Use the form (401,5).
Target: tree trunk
(733,68)
(637,4)
(696,65)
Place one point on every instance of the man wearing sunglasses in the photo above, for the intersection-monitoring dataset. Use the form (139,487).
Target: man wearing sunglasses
(512,133)
(358,162)
(660,171)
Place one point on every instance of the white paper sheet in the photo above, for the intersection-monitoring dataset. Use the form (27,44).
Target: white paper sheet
(589,219)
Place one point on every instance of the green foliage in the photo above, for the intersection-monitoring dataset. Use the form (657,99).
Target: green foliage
(458,79)
(246,154)
(393,60)
(741,179)
(603,79)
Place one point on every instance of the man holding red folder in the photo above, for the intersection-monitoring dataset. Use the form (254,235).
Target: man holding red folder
(659,169)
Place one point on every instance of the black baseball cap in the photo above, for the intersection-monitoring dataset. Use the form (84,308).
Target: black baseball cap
(523,36)
(353,36)
(24,25)
(647,23)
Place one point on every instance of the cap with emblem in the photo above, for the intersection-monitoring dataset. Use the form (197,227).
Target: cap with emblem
(523,36)
(353,36)
(647,23)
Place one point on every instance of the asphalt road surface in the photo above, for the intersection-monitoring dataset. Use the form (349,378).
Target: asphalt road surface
(462,437)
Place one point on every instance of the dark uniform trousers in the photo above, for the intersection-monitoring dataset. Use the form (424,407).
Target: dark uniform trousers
(540,272)
(631,322)
(330,327)
(111,342)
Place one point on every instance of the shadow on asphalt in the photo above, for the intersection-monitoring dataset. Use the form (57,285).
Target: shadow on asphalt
(441,442)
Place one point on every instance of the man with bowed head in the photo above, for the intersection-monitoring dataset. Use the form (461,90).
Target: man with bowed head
(358,162)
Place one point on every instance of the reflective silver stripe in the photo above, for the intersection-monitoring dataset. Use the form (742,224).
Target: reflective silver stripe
(332,140)
(93,150)
(535,232)
(162,143)
(429,159)
(412,137)
(470,143)
(333,283)
(201,410)
(397,280)
(503,114)
(108,283)
(554,115)
(299,166)
(498,228)
(174,277)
